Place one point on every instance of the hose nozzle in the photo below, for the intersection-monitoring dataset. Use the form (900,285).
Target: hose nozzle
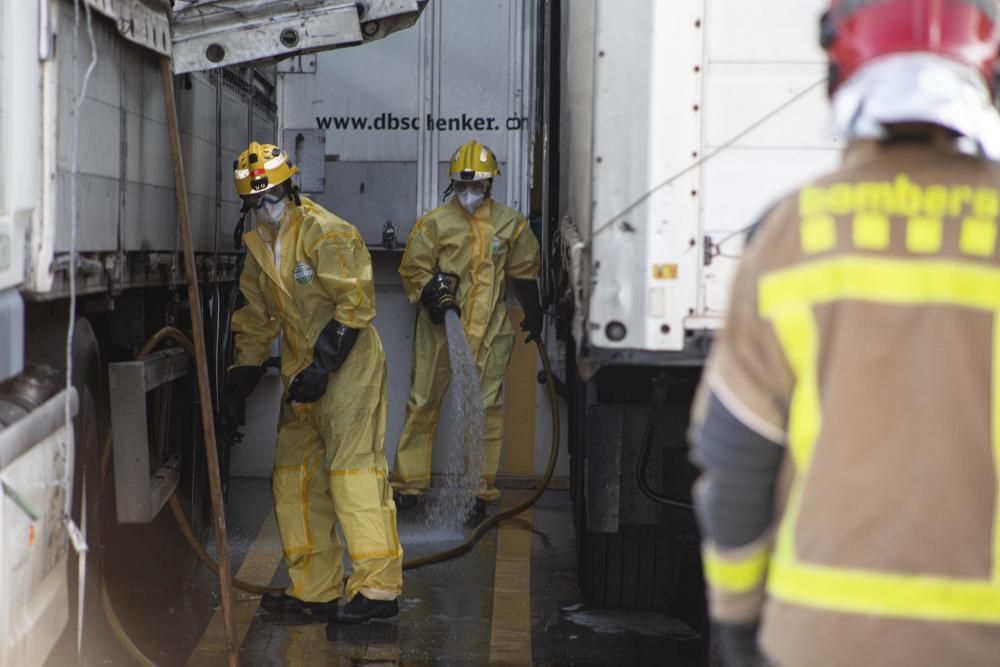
(440,295)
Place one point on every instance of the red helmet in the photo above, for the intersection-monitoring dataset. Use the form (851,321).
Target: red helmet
(854,32)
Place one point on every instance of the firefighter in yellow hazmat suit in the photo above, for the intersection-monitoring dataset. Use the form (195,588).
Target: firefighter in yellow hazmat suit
(308,276)
(458,257)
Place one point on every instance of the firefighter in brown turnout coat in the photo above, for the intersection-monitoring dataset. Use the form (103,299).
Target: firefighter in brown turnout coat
(848,426)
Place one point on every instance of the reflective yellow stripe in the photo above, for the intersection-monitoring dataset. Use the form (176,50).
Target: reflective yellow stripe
(885,594)
(735,576)
(787,298)
(978,237)
(871,231)
(818,233)
(799,337)
(796,329)
(883,280)
(923,235)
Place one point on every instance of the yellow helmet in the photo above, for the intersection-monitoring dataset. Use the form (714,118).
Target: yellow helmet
(260,168)
(473,162)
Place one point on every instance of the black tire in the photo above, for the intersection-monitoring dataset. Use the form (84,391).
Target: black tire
(636,568)
(90,429)
(576,402)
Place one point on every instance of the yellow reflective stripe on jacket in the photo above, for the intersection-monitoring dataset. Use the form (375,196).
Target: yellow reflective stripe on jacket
(882,280)
(787,299)
(735,575)
(799,337)
(885,593)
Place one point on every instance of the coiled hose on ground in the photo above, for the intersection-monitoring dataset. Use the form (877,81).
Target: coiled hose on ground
(171,333)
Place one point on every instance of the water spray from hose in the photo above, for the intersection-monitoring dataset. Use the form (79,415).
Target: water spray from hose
(464,456)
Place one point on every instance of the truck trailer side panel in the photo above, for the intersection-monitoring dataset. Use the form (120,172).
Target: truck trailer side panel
(674,140)
(680,124)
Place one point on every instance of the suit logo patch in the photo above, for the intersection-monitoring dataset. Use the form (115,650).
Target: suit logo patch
(304,273)
(497,245)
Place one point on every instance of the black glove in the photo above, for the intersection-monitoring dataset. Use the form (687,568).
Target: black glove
(232,415)
(308,386)
(534,318)
(439,296)
(738,644)
(331,349)
(240,383)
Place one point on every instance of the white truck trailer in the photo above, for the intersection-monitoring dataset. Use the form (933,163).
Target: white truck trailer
(676,126)
(87,192)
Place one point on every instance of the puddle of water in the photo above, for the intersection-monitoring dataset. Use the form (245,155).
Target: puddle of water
(611,621)
(418,533)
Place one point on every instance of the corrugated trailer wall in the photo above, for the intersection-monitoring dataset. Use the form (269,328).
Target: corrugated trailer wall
(374,128)
(124,182)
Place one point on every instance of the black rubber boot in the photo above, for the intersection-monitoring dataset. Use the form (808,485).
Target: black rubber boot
(282,604)
(406,503)
(361,609)
(476,514)
(479,509)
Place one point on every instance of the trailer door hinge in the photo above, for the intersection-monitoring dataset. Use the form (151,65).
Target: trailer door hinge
(711,250)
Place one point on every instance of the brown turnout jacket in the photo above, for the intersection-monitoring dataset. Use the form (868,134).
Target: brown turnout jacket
(864,333)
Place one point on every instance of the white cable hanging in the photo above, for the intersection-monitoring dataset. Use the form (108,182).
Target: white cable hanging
(77,538)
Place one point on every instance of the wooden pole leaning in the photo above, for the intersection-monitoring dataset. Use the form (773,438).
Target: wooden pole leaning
(201,365)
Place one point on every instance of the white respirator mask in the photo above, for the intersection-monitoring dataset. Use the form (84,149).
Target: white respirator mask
(271,211)
(471,201)
(471,195)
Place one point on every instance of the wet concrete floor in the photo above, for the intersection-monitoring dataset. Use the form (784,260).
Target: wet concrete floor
(513,599)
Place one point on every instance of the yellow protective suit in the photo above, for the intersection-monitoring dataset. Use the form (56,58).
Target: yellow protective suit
(483,250)
(329,465)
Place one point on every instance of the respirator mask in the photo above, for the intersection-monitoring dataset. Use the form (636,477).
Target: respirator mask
(471,195)
(268,207)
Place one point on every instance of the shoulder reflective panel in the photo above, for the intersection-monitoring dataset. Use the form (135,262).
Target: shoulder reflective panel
(787,299)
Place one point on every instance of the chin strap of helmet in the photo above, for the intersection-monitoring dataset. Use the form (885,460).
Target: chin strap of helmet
(241,227)
(293,193)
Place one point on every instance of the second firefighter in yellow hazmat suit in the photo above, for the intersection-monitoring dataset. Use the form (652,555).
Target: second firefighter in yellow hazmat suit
(458,257)
(308,276)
